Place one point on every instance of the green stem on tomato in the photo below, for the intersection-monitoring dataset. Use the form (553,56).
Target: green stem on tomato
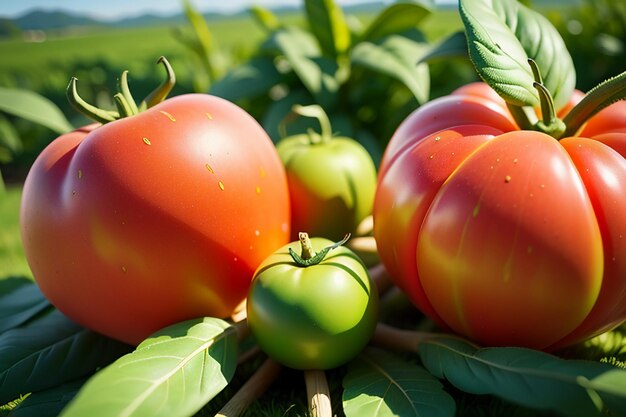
(317,112)
(549,123)
(599,97)
(125,90)
(123,99)
(160,93)
(123,106)
(308,256)
(93,112)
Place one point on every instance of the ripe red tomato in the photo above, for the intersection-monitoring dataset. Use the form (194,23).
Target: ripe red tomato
(509,237)
(155,218)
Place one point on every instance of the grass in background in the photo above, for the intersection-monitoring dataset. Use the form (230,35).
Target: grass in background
(12,260)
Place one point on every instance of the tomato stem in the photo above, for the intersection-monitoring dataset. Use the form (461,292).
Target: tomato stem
(124,100)
(123,107)
(318,393)
(401,340)
(254,387)
(599,97)
(317,112)
(93,112)
(160,93)
(549,124)
(308,256)
(125,90)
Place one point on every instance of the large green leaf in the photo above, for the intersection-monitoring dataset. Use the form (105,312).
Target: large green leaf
(502,35)
(49,351)
(329,26)
(173,373)
(527,377)
(20,305)
(395,56)
(397,18)
(317,73)
(378,385)
(10,143)
(265,18)
(33,107)
(255,77)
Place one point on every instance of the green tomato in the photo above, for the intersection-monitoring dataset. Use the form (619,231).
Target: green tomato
(332,180)
(314,311)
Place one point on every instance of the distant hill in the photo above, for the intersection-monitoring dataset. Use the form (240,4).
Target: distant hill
(44,20)
(52,20)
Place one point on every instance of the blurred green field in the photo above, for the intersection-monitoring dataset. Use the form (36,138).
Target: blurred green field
(39,65)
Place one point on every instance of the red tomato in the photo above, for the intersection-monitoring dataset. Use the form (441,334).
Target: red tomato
(156,218)
(509,237)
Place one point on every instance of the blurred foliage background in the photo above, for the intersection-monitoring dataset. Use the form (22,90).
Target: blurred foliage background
(266,61)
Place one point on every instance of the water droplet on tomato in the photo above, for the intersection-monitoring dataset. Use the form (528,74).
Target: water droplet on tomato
(80,173)
(221,185)
(507,179)
(147,141)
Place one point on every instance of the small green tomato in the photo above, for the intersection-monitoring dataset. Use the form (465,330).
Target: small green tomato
(332,180)
(314,310)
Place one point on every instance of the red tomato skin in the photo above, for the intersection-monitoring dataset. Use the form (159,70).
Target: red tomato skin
(603,171)
(156,218)
(451,239)
(442,113)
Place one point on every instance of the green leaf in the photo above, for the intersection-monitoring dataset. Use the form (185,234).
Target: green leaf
(328,24)
(10,143)
(33,107)
(502,35)
(20,305)
(378,384)
(175,372)
(527,377)
(248,80)
(453,46)
(395,56)
(265,18)
(48,403)
(50,351)
(317,73)
(397,18)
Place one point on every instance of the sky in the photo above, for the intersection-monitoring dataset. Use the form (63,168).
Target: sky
(112,9)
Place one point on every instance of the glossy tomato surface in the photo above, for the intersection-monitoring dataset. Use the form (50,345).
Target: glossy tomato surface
(312,317)
(509,237)
(156,218)
(331,184)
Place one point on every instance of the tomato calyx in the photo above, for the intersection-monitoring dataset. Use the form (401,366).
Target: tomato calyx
(308,256)
(124,101)
(601,96)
